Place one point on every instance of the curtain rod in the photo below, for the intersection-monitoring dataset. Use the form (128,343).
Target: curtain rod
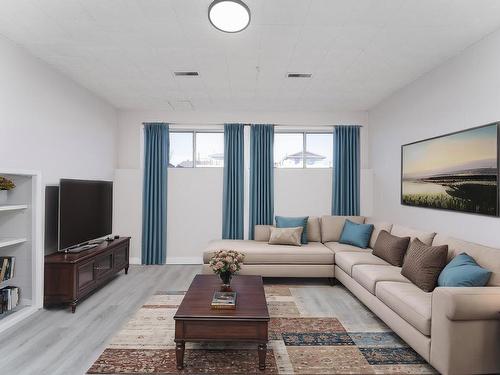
(260,123)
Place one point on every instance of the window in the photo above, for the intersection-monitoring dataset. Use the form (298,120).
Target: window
(288,150)
(303,150)
(209,149)
(190,149)
(181,150)
(319,150)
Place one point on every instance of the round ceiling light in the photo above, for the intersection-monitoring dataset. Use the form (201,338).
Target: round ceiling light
(230,16)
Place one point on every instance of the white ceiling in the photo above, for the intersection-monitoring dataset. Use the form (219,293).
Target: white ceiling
(359,52)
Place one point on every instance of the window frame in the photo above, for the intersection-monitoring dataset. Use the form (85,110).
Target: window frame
(304,145)
(194,132)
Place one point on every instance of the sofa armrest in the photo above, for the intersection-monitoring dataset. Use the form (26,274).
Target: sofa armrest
(464,330)
(262,232)
(468,303)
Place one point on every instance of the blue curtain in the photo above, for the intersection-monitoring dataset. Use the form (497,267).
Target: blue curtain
(154,196)
(345,198)
(233,190)
(261,176)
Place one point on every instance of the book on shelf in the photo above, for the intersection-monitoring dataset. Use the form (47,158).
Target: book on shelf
(7,266)
(9,298)
(224,300)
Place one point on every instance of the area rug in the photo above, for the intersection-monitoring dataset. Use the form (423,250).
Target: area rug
(313,330)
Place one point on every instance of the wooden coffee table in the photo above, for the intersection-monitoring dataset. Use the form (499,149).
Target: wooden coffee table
(196,321)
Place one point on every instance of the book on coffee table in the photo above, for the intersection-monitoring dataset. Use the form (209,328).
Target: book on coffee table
(224,300)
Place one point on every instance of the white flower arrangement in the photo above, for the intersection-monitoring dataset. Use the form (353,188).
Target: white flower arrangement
(226,261)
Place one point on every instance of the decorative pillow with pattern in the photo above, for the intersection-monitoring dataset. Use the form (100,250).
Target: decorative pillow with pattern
(286,236)
(391,248)
(423,264)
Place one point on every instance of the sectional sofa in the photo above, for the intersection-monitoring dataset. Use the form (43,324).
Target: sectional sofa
(457,330)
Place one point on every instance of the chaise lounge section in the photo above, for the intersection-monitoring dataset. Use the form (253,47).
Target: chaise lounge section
(457,330)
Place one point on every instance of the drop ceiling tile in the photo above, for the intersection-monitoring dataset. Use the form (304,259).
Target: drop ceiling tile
(284,12)
(358,51)
(160,11)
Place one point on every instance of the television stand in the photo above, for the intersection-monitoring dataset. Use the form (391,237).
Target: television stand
(71,277)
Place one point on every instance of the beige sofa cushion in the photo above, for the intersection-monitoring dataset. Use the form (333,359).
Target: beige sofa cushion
(337,247)
(487,257)
(313,229)
(346,260)
(332,226)
(369,275)
(401,231)
(263,232)
(263,253)
(409,302)
(378,226)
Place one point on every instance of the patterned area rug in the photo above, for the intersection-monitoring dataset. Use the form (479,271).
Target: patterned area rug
(313,330)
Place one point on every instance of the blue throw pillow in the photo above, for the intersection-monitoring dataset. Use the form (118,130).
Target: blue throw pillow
(292,222)
(463,271)
(356,234)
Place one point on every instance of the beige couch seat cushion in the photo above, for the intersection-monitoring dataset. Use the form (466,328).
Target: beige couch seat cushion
(378,226)
(409,302)
(486,257)
(332,226)
(337,247)
(401,231)
(369,275)
(346,260)
(264,253)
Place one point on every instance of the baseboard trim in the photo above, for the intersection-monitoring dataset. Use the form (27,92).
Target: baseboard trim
(184,260)
(134,260)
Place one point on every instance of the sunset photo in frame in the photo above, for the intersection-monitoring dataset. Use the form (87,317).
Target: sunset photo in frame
(457,171)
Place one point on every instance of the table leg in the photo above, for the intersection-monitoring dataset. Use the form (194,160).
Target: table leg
(262,350)
(179,354)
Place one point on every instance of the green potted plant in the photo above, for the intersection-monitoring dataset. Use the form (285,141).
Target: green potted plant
(5,186)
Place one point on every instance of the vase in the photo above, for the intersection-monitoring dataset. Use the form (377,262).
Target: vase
(226,281)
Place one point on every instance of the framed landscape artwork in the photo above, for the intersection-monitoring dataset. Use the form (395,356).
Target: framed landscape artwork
(457,171)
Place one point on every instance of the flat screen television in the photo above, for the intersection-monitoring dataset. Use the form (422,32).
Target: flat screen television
(85,211)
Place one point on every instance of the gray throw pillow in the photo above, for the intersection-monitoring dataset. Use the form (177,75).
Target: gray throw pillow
(391,248)
(423,264)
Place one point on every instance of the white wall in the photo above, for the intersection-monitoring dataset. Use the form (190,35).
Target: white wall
(462,93)
(49,123)
(195,195)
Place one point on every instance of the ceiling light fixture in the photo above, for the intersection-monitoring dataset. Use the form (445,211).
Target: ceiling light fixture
(230,16)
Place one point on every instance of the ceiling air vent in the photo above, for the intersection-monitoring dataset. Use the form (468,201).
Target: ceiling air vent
(186,74)
(299,75)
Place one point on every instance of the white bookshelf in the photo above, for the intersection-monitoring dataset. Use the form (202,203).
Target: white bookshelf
(4,242)
(13,207)
(20,237)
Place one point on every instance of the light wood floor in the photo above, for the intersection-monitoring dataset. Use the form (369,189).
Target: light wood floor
(57,342)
